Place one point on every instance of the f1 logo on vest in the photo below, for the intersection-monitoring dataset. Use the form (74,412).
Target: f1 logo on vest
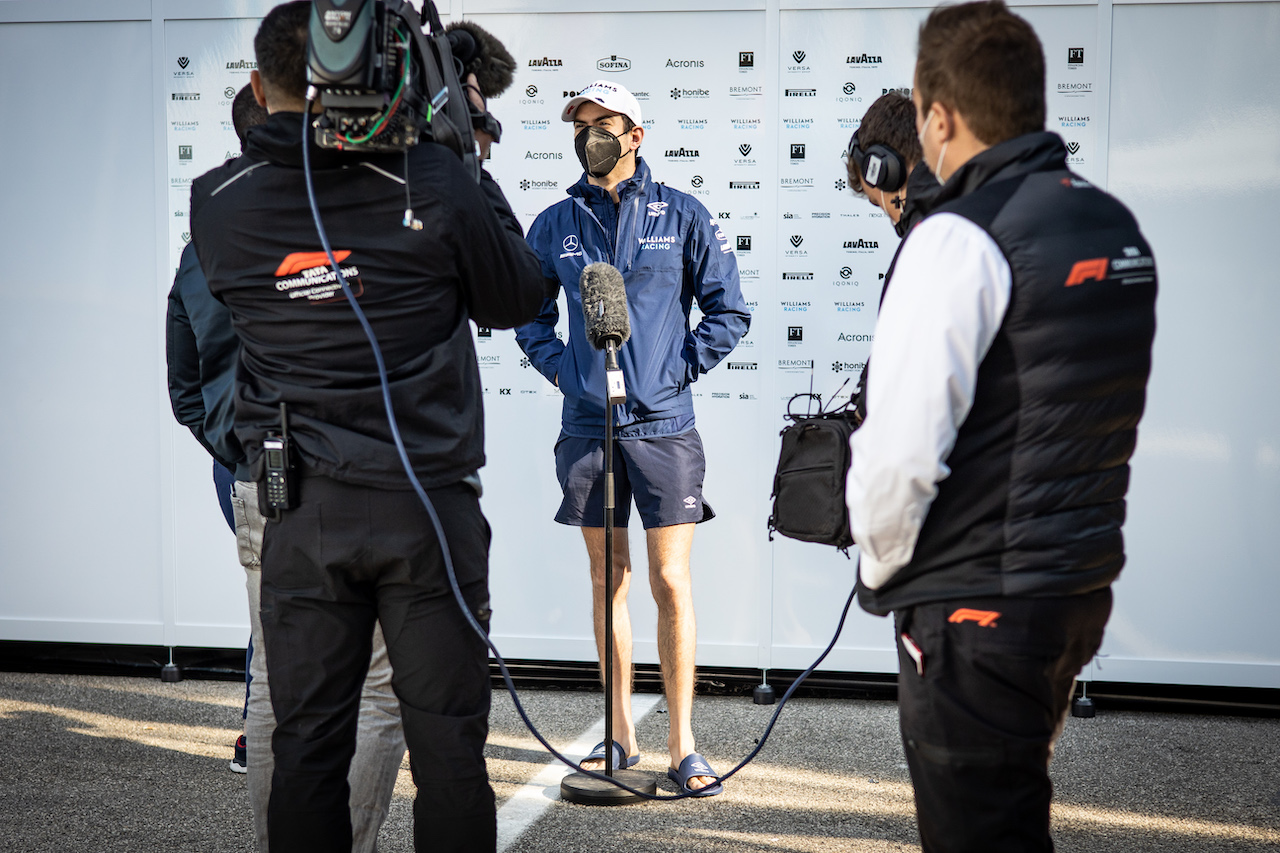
(1093,269)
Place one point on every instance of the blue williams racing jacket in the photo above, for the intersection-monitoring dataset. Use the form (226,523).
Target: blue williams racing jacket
(670,251)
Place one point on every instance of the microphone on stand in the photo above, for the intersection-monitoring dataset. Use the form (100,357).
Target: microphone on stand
(604,305)
(608,325)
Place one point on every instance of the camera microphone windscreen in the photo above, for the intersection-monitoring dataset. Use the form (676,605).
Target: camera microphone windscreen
(604,305)
(483,55)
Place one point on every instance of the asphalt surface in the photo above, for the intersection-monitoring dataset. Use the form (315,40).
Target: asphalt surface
(132,764)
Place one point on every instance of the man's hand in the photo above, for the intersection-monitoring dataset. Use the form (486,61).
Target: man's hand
(483,139)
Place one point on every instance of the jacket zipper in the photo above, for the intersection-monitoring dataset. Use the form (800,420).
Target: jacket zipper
(631,228)
(599,225)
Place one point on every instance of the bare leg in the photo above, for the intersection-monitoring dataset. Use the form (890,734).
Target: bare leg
(624,730)
(669,578)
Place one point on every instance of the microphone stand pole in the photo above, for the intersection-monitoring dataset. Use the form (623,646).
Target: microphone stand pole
(610,366)
(579,787)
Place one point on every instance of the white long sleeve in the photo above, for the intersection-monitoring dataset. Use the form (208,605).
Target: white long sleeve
(949,295)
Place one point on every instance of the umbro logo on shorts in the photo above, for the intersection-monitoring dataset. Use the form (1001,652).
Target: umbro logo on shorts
(690,502)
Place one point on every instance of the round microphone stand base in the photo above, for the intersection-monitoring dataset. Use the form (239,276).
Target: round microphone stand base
(588,791)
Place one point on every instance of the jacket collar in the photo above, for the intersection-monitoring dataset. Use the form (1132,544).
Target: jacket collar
(1042,151)
(279,142)
(922,189)
(638,182)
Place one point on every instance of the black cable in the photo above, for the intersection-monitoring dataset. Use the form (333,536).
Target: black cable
(444,543)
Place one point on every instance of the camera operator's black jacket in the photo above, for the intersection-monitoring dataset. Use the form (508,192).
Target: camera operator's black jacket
(301,343)
(1035,500)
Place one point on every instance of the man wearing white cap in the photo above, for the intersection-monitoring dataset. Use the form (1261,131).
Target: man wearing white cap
(670,252)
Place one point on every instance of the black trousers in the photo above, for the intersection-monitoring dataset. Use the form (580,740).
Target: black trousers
(348,555)
(981,710)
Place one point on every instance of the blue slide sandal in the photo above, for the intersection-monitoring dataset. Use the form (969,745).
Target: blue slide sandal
(620,758)
(694,765)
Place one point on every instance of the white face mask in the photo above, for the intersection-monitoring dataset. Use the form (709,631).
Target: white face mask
(941,154)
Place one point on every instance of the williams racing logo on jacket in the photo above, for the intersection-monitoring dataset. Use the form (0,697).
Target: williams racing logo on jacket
(663,244)
(307,275)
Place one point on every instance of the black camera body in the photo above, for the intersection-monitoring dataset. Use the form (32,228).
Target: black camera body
(383,83)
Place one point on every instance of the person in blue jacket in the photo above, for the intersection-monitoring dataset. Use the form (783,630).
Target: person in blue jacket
(670,252)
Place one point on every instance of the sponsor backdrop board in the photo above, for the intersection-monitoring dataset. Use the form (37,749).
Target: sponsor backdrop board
(833,251)
(703,109)
(749,111)
(206,63)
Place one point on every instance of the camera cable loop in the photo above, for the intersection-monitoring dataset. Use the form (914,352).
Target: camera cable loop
(444,542)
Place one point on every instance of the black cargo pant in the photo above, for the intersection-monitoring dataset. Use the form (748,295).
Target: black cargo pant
(348,555)
(983,690)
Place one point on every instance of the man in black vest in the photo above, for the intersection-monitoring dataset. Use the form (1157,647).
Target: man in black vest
(987,489)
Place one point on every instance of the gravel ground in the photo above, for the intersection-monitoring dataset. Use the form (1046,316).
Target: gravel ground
(128,764)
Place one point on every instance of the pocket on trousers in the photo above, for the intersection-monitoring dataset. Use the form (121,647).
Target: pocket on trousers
(248,539)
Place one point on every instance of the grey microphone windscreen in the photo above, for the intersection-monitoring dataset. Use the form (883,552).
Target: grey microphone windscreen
(604,305)
(486,57)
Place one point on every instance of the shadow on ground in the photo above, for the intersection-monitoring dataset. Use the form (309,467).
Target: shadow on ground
(127,764)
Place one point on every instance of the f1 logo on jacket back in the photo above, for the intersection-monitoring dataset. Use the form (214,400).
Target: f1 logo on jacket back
(307,275)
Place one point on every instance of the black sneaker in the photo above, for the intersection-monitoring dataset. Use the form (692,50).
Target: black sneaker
(238,763)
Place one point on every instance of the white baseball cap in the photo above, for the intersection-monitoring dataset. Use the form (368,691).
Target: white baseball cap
(611,96)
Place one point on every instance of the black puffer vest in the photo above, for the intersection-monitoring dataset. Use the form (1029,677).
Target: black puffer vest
(1035,499)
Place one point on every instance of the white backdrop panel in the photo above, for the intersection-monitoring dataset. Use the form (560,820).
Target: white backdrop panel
(80,361)
(114,535)
(1195,151)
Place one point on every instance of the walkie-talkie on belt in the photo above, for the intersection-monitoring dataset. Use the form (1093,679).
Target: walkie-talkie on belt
(280,483)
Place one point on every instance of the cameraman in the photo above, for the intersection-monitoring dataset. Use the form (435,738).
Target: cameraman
(203,351)
(358,546)
(988,482)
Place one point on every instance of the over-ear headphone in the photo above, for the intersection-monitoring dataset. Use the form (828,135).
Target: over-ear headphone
(881,167)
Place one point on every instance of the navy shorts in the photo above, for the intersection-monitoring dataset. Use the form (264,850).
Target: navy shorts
(664,475)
